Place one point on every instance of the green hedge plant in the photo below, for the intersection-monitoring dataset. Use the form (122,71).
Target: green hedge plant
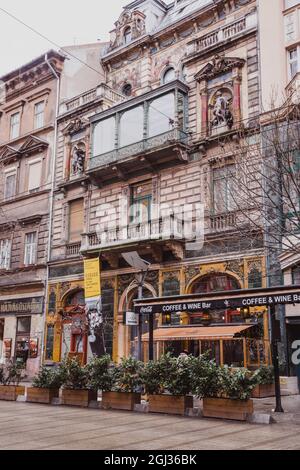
(74,375)
(101,373)
(12,373)
(264,375)
(127,376)
(48,378)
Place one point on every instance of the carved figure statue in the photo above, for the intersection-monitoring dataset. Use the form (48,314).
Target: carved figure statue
(78,159)
(221,111)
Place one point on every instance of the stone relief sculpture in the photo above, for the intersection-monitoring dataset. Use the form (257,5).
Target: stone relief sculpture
(221,111)
(78,159)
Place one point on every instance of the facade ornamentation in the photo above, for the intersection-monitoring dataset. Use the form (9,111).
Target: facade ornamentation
(78,161)
(133,20)
(222,114)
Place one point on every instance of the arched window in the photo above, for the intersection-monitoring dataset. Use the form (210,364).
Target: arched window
(127,35)
(215,283)
(127,89)
(169,75)
(75,298)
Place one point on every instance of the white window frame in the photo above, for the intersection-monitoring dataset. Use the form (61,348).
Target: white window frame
(39,115)
(30,249)
(30,163)
(297,48)
(6,258)
(7,173)
(14,134)
(290,27)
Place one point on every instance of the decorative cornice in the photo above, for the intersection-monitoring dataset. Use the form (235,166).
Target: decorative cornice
(218,66)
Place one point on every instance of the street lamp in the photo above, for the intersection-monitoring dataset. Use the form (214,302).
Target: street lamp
(134,260)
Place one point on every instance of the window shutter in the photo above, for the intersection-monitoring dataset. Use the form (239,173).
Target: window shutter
(76,220)
(35,174)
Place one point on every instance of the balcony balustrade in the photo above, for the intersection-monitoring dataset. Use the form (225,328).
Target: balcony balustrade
(226,33)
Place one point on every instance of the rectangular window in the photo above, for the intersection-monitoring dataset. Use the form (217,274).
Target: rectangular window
(224,189)
(104,135)
(296,275)
(132,126)
(290,28)
(39,110)
(5,253)
(10,185)
(293,62)
(161,115)
(141,198)
(49,343)
(15,125)
(30,254)
(34,176)
(76,220)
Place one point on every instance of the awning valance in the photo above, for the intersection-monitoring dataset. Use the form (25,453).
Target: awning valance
(209,333)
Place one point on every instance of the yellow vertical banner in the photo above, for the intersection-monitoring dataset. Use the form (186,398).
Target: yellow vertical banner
(92,282)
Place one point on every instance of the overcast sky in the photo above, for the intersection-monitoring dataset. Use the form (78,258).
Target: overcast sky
(65,22)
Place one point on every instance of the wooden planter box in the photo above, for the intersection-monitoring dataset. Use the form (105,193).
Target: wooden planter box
(227,409)
(120,400)
(41,395)
(78,397)
(263,391)
(170,404)
(8,392)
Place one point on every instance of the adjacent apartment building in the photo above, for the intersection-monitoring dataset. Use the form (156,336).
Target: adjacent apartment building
(27,146)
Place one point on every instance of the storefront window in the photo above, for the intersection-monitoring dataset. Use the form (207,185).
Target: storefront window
(132,126)
(49,343)
(161,114)
(23,339)
(233,353)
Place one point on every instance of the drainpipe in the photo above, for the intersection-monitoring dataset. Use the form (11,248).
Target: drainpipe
(54,151)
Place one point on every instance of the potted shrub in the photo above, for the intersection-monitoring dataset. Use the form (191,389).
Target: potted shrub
(264,378)
(125,386)
(229,396)
(10,377)
(168,384)
(45,386)
(76,390)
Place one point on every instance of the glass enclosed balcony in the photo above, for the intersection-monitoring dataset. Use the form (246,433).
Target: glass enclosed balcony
(146,132)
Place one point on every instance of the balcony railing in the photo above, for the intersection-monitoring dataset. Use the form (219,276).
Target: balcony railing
(168,138)
(228,32)
(73,249)
(169,229)
(102,91)
(222,222)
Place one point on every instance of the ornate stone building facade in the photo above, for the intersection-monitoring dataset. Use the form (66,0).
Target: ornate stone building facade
(27,130)
(182,81)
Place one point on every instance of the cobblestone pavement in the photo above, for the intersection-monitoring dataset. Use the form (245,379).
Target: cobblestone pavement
(30,426)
